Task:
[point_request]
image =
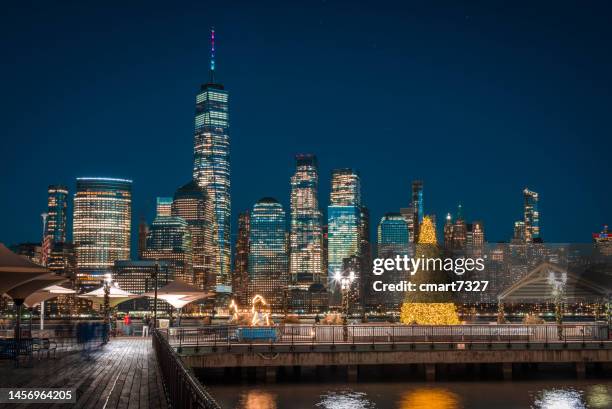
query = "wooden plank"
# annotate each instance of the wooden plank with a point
(125, 372)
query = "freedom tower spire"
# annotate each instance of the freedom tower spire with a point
(211, 168)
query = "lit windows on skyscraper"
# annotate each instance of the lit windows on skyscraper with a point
(344, 223)
(169, 240)
(305, 234)
(531, 216)
(163, 206)
(211, 167)
(56, 213)
(393, 236)
(193, 204)
(268, 261)
(101, 225)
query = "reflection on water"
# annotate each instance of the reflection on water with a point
(559, 399)
(599, 396)
(407, 395)
(429, 398)
(345, 399)
(257, 399)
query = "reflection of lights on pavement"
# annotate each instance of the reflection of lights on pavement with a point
(599, 396)
(429, 398)
(559, 399)
(259, 400)
(346, 399)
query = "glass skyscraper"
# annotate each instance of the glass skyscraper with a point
(194, 205)
(268, 261)
(531, 216)
(393, 236)
(344, 222)
(163, 206)
(57, 204)
(211, 167)
(417, 209)
(305, 265)
(102, 224)
(169, 240)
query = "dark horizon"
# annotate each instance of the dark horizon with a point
(479, 101)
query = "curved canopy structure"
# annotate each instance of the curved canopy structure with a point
(46, 294)
(115, 297)
(547, 280)
(178, 293)
(16, 270)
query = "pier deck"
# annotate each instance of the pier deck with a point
(122, 374)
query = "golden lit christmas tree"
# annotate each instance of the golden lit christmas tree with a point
(422, 307)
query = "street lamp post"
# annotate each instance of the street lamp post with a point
(155, 281)
(107, 284)
(345, 286)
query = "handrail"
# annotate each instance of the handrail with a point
(293, 334)
(183, 390)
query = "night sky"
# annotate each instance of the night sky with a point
(478, 100)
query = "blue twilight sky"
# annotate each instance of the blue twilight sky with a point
(478, 100)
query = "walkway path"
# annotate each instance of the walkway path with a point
(122, 374)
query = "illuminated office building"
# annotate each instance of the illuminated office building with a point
(417, 208)
(531, 216)
(448, 232)
(268, 261)
(163, 206)
(101, 225)
(393, 240)
(344, 224)
(211, 168)
(459, 241)
(194, 205)
(305, 264)
(143, 231)
(240, 272)
(392, 236)
(57, 204)
(137, 277)
(169, 240)
(519, 232)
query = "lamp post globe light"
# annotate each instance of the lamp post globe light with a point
(345, 282)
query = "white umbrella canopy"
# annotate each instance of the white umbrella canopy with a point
(178, 293)
(46, 294)
(16, 270)
(115, 297)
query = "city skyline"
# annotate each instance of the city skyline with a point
(497, 204)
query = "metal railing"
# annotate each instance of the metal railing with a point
(182, 388)
(294, 334)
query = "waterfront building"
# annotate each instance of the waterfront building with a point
(417, 208)
(163, 206)
(137, 277)
(211, 167)
(143, 231)
(344, 224)
(169, 240)
(268, 261)
(305, 263)
(193, 204)
(519, 232)
(408, 214)
(448, 232)
(102, 222)
(240, 271)
(393, 240)
(57, 206)
(531, 215)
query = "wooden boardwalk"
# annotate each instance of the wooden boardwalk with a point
(122, 374)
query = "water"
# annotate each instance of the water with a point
(556, 394)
